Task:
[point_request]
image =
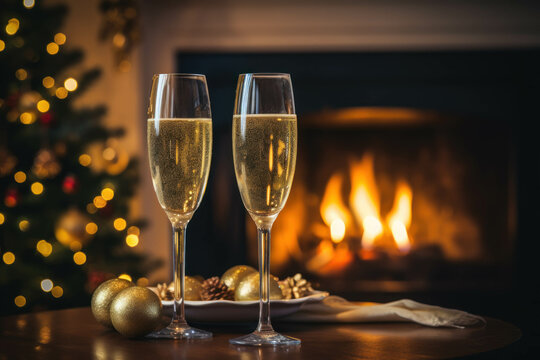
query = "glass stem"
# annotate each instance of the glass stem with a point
(264, 280)
(179, 246)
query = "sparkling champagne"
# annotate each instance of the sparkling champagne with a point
(180, 152)
(264, 148)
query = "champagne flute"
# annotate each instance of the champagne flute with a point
(179, 134)
(264, 149)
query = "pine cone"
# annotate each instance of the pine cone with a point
(164, 292)
(295, 287)
(214, 289)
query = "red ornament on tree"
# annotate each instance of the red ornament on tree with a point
(12, 197)
(46, 118)
(70, 184)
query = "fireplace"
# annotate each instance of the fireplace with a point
(406, 175)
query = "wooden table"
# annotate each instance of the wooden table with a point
(74, 334)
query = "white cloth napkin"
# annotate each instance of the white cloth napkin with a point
(337, 309)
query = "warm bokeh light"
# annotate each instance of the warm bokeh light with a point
(2, 45)
(24, 225)
(109, 154)
(44, 247)
(91, 228)
(91, 208)
(47, 285)
(70, 84)
(134, 230)
(29, 3)
(60, 38)
(48, 82)
(107, 194)
(132, 240)
(125, 277)
(100, 202)
(43, 106)
(85, 160)
(119, 40)
(20, 177)
(20, 301)
(79, 258)
(8, 257)
(52, 48)
(61, 92)
(21, 74)
(337, 230)
(27, 118)
(120, 224)
(36, 188)
(2, 218)
(12, 26)
(142, 281)
(57, 291)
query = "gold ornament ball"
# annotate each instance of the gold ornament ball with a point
(248, 288)
(192, 288)
(136, 311)
(103, 297)
(72, 227)
(234, 275)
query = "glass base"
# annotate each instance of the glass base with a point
(265, 338)
(174, 331)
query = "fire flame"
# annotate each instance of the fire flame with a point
(399, 218)
(333, 210)
(364, 200)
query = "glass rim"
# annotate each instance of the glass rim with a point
(267, 74)
(180, 75)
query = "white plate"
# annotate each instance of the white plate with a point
(240, 311)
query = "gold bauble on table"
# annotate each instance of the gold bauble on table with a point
(248, 288)
(192, 288)
(103, 297)
(234, 275)
(136, 311)
(71, 227)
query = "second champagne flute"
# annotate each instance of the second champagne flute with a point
(264, 150)
(179, 137)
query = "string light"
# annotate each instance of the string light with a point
(107, 194)
(132, 240)
(85, 160)
(91, 228)
(12, 27)
(21, 74)
(70, 84)
(46, 285)
(48, 82)
(8, 257)
(2, 45)
(27, 118)
(60, 39)
(79, 258)
(20, 177)
(3, 218)
(125, 277)
(37, 188)
(29, 3)
(99, 202)
(57, 291)
(43, 106)
(119, 224)
(52, 48)
(20, 301)
(61, 92)
(24, 225)
(44, 248)
(134, 230)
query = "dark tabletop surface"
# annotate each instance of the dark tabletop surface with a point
(74, 334)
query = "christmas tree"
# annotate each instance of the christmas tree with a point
(65, 182)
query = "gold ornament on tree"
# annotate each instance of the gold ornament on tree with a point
(248, 288)
(136, 311)
(295, 287)
(214, 289)
(45, 164)
(70, 229)
(103, 297)
(234, 275)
